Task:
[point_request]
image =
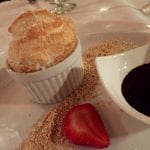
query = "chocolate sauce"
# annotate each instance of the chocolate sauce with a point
(136, 88)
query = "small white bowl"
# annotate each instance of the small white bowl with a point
(53, 84)
(112, 70)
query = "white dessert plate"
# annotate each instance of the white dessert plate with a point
(18, 113)
(112, 70)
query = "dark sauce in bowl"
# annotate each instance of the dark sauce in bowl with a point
(136, 88)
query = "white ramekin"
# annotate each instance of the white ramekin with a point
(53, 84)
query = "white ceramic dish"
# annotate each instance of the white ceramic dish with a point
(18, 113)
(112, 70)
(53, 84)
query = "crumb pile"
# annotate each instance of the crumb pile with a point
(47, 134)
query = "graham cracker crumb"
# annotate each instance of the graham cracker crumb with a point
(48, 133)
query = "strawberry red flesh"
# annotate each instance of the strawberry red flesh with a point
(84, 126)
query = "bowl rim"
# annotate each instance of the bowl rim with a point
(59, 66)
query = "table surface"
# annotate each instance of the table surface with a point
(17, 112)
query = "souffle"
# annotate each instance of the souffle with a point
(40, 40)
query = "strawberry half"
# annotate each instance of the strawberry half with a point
(83, 126)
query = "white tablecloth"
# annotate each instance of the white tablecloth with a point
(17, 113)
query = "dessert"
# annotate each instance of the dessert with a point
(40, 40)
(47, 134)
(45, 56)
